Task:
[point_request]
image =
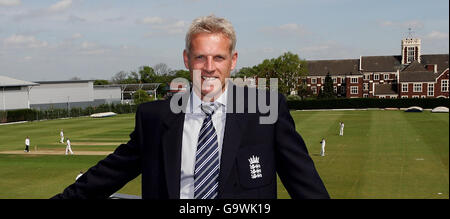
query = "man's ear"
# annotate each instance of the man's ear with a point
(186, 59)
(234, 58)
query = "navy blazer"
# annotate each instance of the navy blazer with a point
(154, 150)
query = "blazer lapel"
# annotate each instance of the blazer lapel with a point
(234, 128)
(171, 144)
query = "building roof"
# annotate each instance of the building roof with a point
(417, 72)
(381, 63)
(415, 66)
(11, 82)
(334, 67)
(64, 82)
(385, 89)
(441, 60)
(418, 76)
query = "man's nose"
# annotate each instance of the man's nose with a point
(209, 66)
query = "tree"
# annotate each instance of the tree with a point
(288, 68)
(141, 96)
(147, 74)
(327, 92)
(246, 72)
(161, 69)
(133, 78)
(119, 77)
(303, 91)
(183, 74)
(101, 82)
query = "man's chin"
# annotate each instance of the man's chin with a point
(209, 94)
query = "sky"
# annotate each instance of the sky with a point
(50, 40)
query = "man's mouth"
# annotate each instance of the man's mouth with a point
(206, 78)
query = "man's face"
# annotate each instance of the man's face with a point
(210, 63)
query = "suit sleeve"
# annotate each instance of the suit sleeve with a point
(294, 165)
(111, 173)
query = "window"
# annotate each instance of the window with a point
(444, 85)
(376, 77)
(404, 87)
(354, 90)
(366, 86)
(313, 81)
(411, 51)
(417, 87)
(334, 80)
(314, 90)
(335, 89)
(386, 76)
(382, 97)
(319, 81)
(354, 80)
(430, 89)
(415, 96)
(366, 95)
(404, 97)
(366, 76)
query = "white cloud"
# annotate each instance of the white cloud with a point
(55, 9)
(90, 48)
(61, 5)
(164, 27)
(287, 29)
(151, 20)
(93, 52)
(9, 2)
(436, 35)
(75, 19)
(87, 45)
(24, 41)
(77, 36)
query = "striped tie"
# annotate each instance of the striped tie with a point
(207, 157)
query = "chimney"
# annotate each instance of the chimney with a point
(431, 67)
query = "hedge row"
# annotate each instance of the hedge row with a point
(356, 103)
(32, 114)
(363, 103)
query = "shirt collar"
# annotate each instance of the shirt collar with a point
(197, 102)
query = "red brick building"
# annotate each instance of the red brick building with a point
(410, 75)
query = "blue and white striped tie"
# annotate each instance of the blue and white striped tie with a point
(207, 157)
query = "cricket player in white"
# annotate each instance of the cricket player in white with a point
(27, 144)
(322, 152)
(341, 129)
(68, 147)
(62, 136)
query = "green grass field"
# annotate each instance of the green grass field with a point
(382, 155)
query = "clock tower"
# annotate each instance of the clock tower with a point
(410, 49)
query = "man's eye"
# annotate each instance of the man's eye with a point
(219, 58)
(199, 57)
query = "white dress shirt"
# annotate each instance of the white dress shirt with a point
(193, 121)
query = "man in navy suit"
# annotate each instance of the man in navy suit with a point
(209, 143)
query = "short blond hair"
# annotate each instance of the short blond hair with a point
(211, 24)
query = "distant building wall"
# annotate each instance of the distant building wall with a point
(13, 98)
(107, 94)
(61, 92)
